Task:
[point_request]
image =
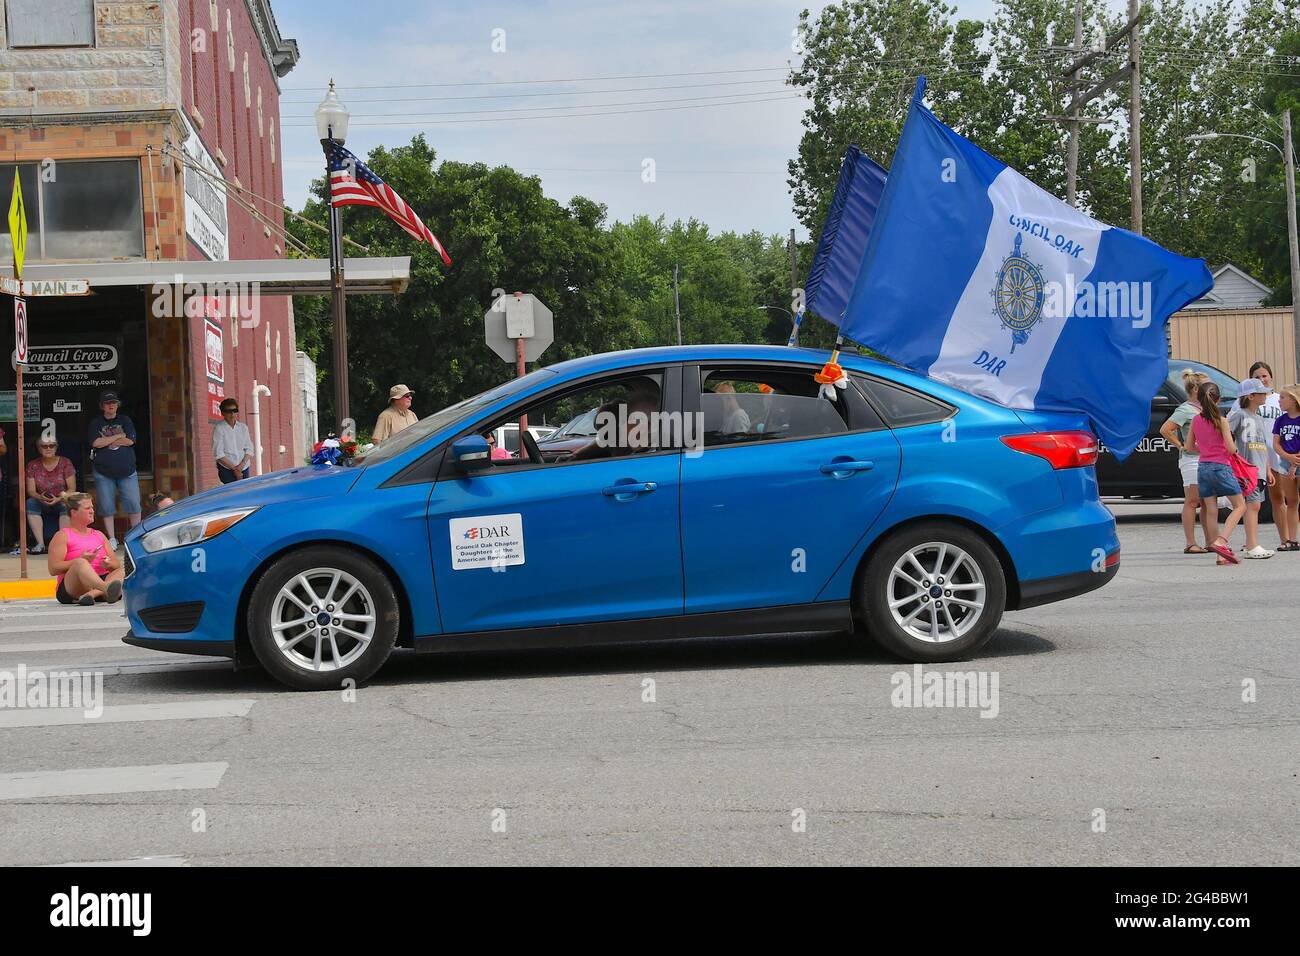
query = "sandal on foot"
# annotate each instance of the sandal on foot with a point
(1195, 549)
(1223, 551)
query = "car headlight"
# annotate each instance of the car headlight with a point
(192, 530)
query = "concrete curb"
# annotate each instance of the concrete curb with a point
(33, 588)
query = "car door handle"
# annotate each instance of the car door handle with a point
(843, 467)
(628, 489)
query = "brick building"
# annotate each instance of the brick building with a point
(145, 134)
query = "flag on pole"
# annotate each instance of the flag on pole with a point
(978, 278)
(844, 237)
(353, 183)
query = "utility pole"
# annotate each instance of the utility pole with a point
(1072, 153)
(1289, 155)
(1135, 115)
(794, 264)
(677, 305)
(1079, 100)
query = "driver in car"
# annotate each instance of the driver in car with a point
(643, 396)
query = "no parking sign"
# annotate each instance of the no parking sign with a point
(20, 331)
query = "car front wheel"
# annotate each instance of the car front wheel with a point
(932, 592)
(322, 615)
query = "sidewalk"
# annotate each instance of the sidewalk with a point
(39, 583)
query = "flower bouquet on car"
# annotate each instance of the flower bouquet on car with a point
(332, 450)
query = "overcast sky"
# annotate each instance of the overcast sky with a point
(722, 164)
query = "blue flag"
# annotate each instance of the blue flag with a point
(844, 236)
(978, 278)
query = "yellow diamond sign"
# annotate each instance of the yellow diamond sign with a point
(18, 227)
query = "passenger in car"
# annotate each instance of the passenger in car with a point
(735, 420)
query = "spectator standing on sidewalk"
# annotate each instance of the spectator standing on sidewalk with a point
(396, 416)
(112, 457)
(1253, 434)
(1176, 430)
(1212, 440)
(1270, 410)
(49, 476)
(1286, 442)
(232, 445)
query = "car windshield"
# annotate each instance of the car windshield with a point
(583, 426)
(1227, 384)
(449, 416)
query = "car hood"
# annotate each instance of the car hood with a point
(309, 481)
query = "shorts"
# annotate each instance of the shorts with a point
(117, 495)
(1187, 468)
(1215, 478)
(1261, 489)
(62, 595)
(37, 507)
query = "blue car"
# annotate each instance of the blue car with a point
(721, 495)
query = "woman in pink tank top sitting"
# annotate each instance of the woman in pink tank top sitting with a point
(79, 555)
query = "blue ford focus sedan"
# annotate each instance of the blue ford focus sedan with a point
(715, 493)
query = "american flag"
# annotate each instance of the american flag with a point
(353, 183)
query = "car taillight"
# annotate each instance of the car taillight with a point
(1061, 449)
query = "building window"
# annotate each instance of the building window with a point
(89, 209)
(34, 23)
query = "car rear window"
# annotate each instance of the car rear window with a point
(903, 406)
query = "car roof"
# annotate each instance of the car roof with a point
(712, 353)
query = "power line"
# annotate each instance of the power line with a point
(538, 109)
(570, 79)
(513, 96)
(512, 119)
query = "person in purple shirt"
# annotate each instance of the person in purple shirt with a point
(1286, 442)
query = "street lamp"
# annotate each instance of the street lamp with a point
(1287, 152)
(332, 126)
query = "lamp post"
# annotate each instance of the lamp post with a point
(1287, 152)
(332, 126)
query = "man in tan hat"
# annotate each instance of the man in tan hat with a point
(396, 416)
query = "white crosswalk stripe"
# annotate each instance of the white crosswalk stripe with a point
(38, 784)
(58, 646)
(124, 713)
(137, 861)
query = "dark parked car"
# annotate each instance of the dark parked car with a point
(1152, 470)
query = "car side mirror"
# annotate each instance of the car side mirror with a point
(471, 453)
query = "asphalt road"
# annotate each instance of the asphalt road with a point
(1127, 700)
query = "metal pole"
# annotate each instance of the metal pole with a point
(1072, 154)
(1289, 152)
(22, 474)
(1135, 118)
(339, 308)
(521, 369)
(677, 306)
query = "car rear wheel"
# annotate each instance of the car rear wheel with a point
(322, 615)
(932, 592)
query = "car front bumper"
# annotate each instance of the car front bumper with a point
(187, 599)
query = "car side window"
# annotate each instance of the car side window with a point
(903, 406)
(740, 405)
(610, 418)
